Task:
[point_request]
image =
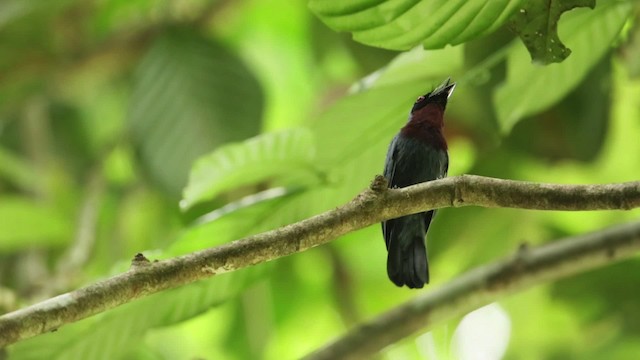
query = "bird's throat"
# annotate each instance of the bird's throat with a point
(430, 135)
(426, 125)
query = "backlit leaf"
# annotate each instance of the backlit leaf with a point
(403, 24)
(251, 161)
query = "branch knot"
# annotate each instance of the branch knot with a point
(379, 184)
(458, 198)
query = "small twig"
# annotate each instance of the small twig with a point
(367, 208)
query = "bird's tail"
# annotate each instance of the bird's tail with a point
(407, 260)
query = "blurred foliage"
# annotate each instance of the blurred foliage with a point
(186, 90)
(261, 116)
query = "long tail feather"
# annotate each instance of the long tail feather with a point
(407, 262)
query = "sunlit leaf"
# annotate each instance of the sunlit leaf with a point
(419, 64)
(15, 9)
(483, 334)
(251, 161)
(403, 24)
(282, 58)
(224, 225)
(530, 88)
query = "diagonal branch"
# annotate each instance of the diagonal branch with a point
(369, 207)
(484, 285)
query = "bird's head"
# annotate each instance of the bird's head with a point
(438, 96)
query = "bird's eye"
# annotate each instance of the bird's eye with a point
(420, 99)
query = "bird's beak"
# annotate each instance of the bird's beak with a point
(446, 88)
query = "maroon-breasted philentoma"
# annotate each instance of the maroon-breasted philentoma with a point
(418, 153)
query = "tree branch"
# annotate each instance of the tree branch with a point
(369, 207)
(484, 285)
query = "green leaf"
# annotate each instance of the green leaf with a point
(420, 64)
(537, 25)
(531, 88)
(25, 223)
(190, 95)
(251, 161)
(403, 24)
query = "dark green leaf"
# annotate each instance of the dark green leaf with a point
(190, 95)
(531, 88)
(536, 22)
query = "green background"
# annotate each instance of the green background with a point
(169, 126)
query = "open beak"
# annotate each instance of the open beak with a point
(446, 87)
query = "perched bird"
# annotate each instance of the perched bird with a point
(418, 153)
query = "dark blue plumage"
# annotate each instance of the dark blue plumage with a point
(418, 153)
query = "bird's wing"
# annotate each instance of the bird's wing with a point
(410, 162)
(445, 165)
(440, 168)
(389, 173)
(391, 161)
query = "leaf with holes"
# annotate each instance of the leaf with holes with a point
(403, 24)
(537, 25)
(531, 88)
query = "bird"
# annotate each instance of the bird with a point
(418, 153)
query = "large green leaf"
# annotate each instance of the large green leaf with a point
(190, 95)
(403, 24)
(537, 25)
(418, 64)
(257, 159)
(531, 88)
